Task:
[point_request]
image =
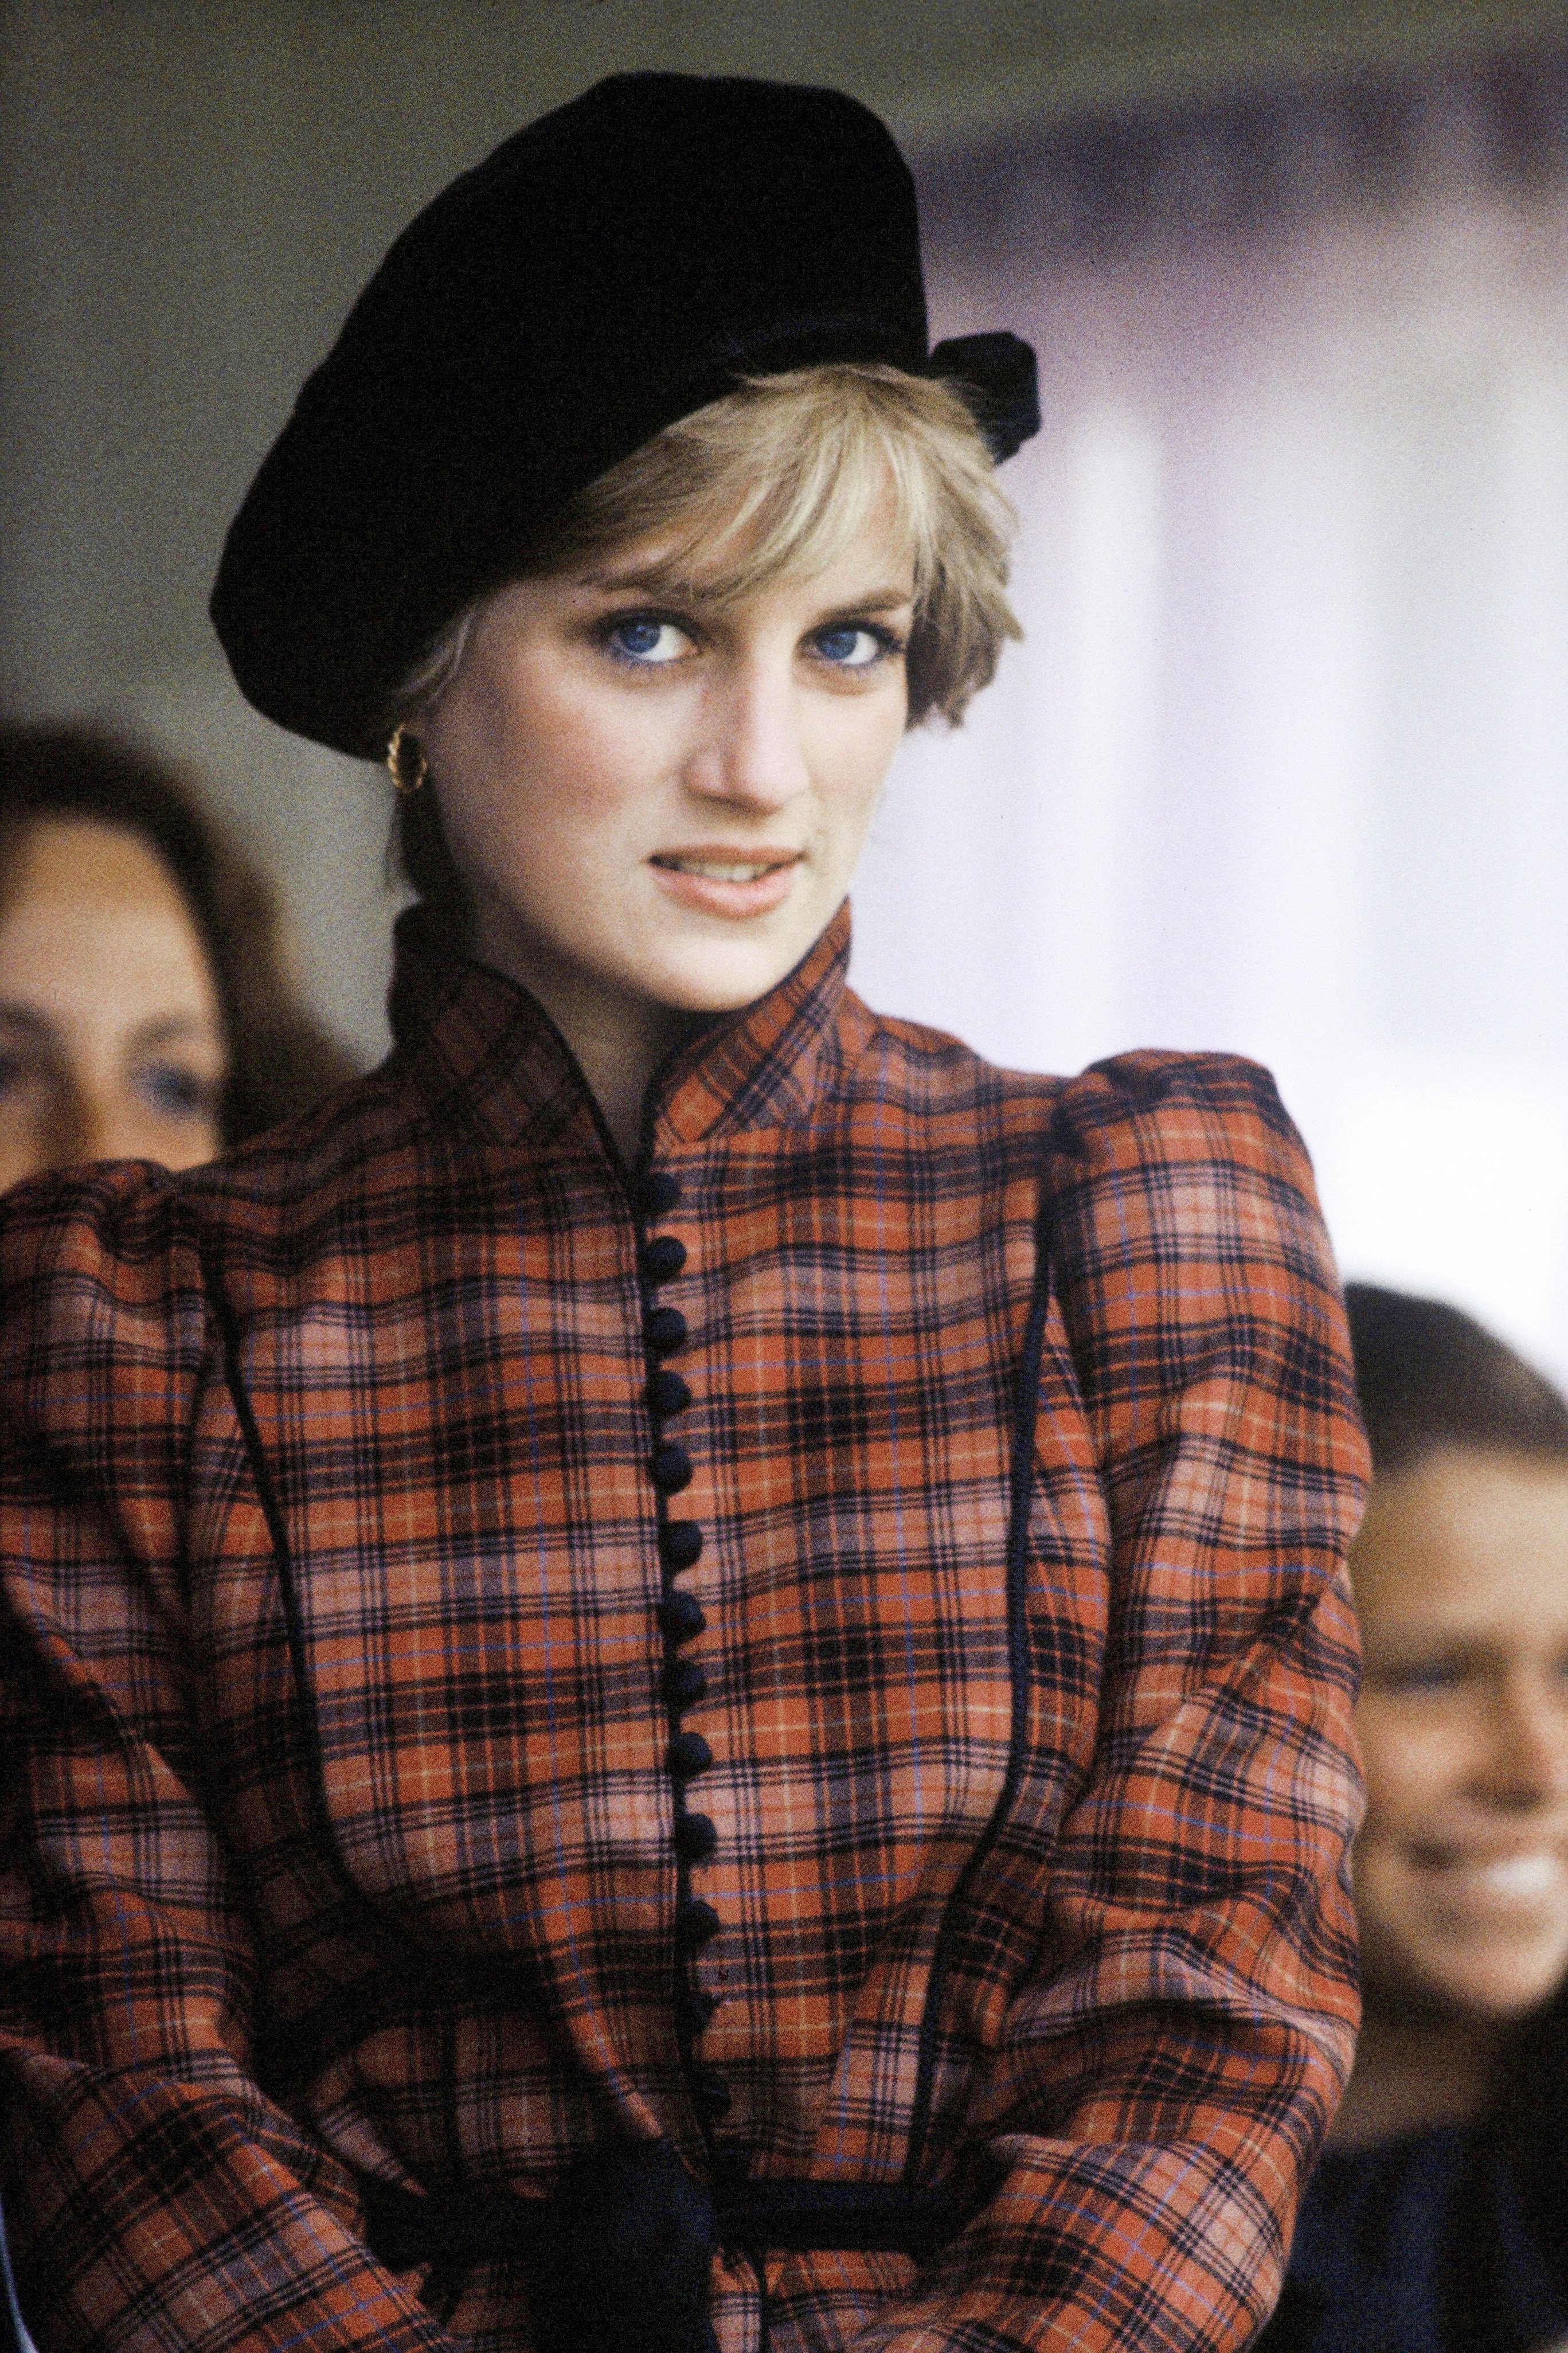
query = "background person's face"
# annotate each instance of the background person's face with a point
(112, 1043)
(660, 803)
(1461, 1869)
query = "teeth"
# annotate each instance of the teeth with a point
(717, 870)
(1524, 1874)
(1529, 1876)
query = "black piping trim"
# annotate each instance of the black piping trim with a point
(472, 1983)
(445, 2280)
(450, 2124)
(222, 1307)
(757, 2258)
(1021, 1483)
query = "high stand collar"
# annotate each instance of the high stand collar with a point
(488, 1055)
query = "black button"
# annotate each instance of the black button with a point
(664, 1331)
(681, 1615)
(658, 1191)
(666, 1394)
(694, 2010)
(696, 1924)
(680, 1542)
(689, 1754)
(684, 1682)
(710, 2094)
(446, 1977)
(695, 1837)
(732, 2160)
(663, 1257)
(671, 1468)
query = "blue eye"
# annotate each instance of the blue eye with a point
(178, 1093)
(851, 645)
(642, 639)
(1426, 1676)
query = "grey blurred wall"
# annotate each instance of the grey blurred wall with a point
(191, 195)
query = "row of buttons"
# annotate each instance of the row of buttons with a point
(683, 1682)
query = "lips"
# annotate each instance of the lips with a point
(1523, 1876)
(719, 880)
(723, 866)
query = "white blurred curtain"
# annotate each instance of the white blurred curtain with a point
(1282, 764)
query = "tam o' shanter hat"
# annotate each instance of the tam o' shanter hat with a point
(609, 268)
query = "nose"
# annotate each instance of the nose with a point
(1528, 1761)
(89, 1122)
(750, 748)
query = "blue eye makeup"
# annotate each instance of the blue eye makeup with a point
(1420, 1677)
(178, 1093)
(652, 641)
(855, 645)
(645, 639)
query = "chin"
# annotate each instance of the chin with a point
(726, 983)
(1507, 1994)
(1493, 1990)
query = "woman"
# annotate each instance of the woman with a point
(1439, 2221)
(144, 1012)
(728, 1709)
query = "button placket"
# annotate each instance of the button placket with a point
(661, 1258)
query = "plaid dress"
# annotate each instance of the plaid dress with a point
(828, 1647)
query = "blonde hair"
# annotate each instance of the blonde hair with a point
(777, 477)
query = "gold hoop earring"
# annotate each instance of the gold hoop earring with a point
(397, 768)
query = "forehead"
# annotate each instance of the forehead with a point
(732, 560)
(1467, 1545)
(94, 920)
(82, 860)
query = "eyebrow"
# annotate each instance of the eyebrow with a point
(881, 600)
(152, 1033)
(1437, 1647)
(177, 1025)
(657, 583)
(22, 1017)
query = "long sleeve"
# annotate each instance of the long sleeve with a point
(1170, 2065)
(160, 2199)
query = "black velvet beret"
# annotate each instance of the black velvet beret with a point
(607, 270)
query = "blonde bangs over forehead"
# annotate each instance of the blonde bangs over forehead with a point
(780, 477)
(783, 474)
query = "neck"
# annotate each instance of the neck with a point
(618, 1059)
(1414, 2071)
(619, 1040)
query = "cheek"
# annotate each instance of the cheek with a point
(523, 779)
(22, 1145)
(852, 757)
(191, 1148)
(1419, 1760)
(1408, 1768)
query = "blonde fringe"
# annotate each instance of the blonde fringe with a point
(780, 476)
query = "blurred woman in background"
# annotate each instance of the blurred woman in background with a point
(1438, 2221)
(145, 1009)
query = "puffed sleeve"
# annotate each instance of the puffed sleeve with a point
(157, 2200)
(1172, 2062)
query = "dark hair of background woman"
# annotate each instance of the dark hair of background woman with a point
(280, 1058)
(1430, 1378)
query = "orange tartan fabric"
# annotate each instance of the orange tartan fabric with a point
(344, 1673)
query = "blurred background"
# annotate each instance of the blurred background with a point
(1281, 764)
